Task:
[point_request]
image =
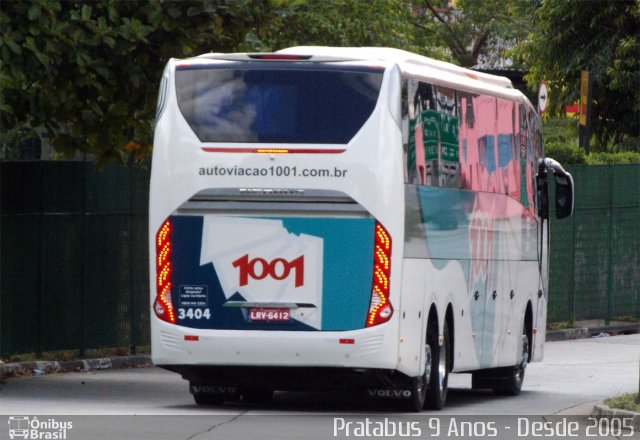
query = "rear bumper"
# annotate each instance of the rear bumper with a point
(371, 348)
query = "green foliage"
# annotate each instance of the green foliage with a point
(86, 73)
(473, 29)
(561, 134)
(603, 38)
(571, 154)
(560, 141)
(565, 153)
(624, 157)
(565, 325)
(560, 129)
(375, 23)
(625, 402)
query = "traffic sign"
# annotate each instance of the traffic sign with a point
(543, 97)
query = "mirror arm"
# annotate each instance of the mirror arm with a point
(548, 163)
(542, 196)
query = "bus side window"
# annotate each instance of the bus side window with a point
(404, 125)
(415, 150)
(432, 146)
(448, 160)
(429, 121)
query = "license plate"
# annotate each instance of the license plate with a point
(269, 315)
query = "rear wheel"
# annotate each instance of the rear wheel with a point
(513, 377)
(257, 395)
(418, 386)
(208, 399)
(440, 364)
(504, 381)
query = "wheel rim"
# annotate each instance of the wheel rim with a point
(442, 366)
(427, 362)
(422, 387)
(519, 370)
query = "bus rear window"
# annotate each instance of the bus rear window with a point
(277, 105)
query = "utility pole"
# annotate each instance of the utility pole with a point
(584, 129)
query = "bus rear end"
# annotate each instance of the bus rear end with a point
(271, 236)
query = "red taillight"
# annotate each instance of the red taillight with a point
(380, 309)
(163, 307)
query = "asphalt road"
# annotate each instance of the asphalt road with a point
(574, 375)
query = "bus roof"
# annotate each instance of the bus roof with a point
(416, 66)
(382, 54)
(397, 56)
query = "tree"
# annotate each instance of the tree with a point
(377, 23)
(601, 37)
(473, 30)
(86, 73)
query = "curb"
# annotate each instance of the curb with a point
(585, 333)
(565, 335)
(84, 365)
(602, 411)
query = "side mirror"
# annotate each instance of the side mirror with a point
(564, 194)
(564, 189)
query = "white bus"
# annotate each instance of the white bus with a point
(360, 219)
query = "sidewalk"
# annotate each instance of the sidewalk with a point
(598, 329)
(594, 328)
(599, 410)
(37, 368)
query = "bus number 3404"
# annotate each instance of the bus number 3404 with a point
(191, 313)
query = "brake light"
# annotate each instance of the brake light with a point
(163, 306)
(273, 150)
(380, 309)
(279, 56)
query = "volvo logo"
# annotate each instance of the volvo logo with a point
(393, 394)
(213, 389)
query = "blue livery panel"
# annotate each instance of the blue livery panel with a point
(271, 273)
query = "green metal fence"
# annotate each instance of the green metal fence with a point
(595, 255)
(73, 257)
(74, 270)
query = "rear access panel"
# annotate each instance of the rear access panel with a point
(297, 261)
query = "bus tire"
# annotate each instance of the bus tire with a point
(513, 377)
(440, 364)
(208, 399)
(257, 395)
(504, 381)
(418, 388)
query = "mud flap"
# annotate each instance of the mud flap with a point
(390, 393)
(224, 392)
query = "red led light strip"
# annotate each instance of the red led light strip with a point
(163, 306)
(380, 309)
